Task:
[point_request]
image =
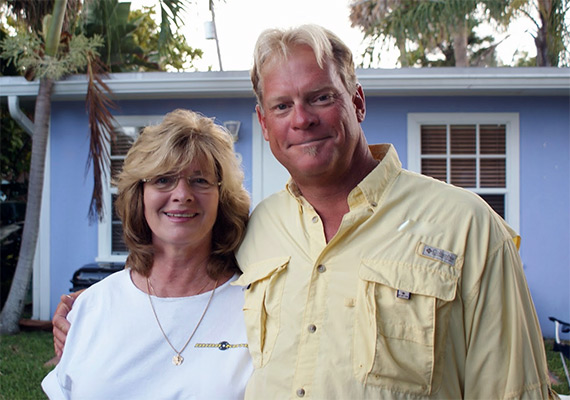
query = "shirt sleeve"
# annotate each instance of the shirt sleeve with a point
(57, 384)
(505, 349)
(52, 388)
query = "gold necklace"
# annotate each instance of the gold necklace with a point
(177, 359)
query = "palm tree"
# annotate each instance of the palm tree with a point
(552, 37)
(15, 302)
(58, 54)
(446, 25)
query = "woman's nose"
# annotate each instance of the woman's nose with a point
(183, 191)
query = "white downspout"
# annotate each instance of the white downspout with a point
(19, 116)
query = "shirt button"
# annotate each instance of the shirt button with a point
(312, 328)
(315, 219)
(321, 268)
(374, 204)
(300, 392)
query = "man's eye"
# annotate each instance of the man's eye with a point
(281, 107)
(324, 98)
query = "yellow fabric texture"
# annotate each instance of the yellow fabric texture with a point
(420, 294)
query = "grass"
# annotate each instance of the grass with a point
(555, 367)
(22, 359)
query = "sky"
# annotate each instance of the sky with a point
(239, 23)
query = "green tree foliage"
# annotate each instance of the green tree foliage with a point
(16, 147)
(133, 40)
(430, 32)
(178, 54)
(552, 35)
(110, 20)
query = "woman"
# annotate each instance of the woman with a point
(170, 325)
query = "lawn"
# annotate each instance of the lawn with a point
(22, 359)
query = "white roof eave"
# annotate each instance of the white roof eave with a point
(377, 82)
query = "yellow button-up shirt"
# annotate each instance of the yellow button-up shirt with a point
(420, 294)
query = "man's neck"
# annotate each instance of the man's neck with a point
(330, 200)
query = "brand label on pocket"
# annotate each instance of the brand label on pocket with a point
(439, 254)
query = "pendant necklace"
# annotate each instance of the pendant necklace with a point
(177, 359)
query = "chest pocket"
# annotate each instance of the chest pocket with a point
(264, 283)
(396, 343)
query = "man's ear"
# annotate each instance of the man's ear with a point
(261, 119)
(359, 103)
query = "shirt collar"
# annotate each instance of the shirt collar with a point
(373, 185)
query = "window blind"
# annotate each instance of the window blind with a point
(123, 140)
(471, 156)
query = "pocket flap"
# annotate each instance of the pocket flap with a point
(427, 278)
(261, 270)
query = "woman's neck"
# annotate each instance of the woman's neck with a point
(177, 275)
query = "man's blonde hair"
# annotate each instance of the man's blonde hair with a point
(277, 43)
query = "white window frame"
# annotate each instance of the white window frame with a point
(510, 120)
(105, 235)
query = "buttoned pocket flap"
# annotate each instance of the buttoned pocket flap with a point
(262, 270)
(261, 307)
(428, 278)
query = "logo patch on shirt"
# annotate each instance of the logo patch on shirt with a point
(444, 256)
(402, 294)
(220, 346)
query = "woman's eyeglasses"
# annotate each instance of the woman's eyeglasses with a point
(167, 183)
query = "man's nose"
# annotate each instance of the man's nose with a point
(304, 117)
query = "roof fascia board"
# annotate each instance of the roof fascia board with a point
(378, 82)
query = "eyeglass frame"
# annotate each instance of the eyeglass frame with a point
(177, 180)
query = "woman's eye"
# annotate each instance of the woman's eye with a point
(163, 180)
(201, 182)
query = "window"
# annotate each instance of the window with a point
(475, 151)
(111, 245)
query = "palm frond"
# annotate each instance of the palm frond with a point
(101, 127)
(170, 13)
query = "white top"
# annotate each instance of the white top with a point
(115, 350)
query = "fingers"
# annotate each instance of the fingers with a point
(60, 328)
(57, 345)
(60, 323)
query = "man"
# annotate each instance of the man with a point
(364, 280)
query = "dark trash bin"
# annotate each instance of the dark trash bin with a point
(93, 273)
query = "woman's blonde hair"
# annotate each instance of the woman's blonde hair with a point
(170, 147)
(275, 44)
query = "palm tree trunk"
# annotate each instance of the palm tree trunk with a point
(541, 40)
(460, 44)
(401, 43)
(10, 316)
